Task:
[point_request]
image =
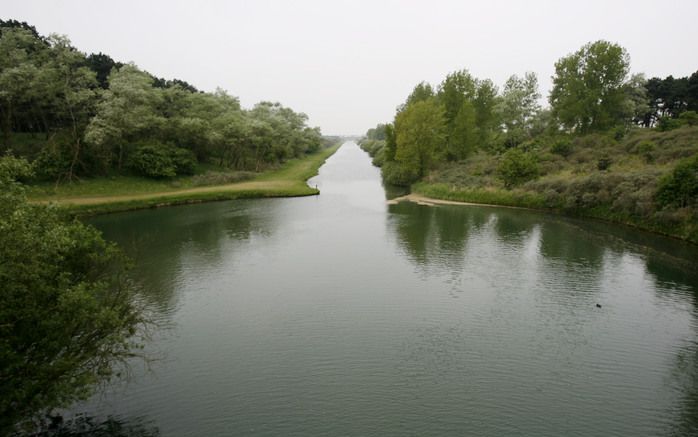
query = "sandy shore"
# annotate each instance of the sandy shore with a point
(428, 201)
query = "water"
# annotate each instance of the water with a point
(342, 315)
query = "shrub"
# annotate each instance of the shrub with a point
(562, 148)
(667, 123)
(680, 187)
(646, 150)
(397, 174)
(153, 161)
(184, 161)
(51, 164)
(619, 132)
(67, 312)
(689, 117)
(162, 161)
(517, 167)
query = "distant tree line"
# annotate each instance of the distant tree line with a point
(73, 114)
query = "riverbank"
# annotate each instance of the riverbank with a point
(440, 194)
(644, 179)
(287, 181)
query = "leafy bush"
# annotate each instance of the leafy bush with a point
(687, 118)
(517, 167)
(67, 313)
(184, 161)
(161, 161)
(680, 187)
(396, 174)
(646, 149)
(562, 148)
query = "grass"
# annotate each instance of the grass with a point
(123, 193)
(487, 196)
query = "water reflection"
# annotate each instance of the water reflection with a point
(686, 378)
(558, 270)
(170, 242)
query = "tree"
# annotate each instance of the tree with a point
(421, 92)
(71, 91)
(376, 133)
(456, 88)
(18, 72)
(669, 97)
(463, 135)
(517, 108)
(67, 314)
(589, 88)
(127, 113)
(456, 94)
(390, 144)
(420, 131)
(485, 103)
(102, 65)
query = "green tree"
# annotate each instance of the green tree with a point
(70, 89)
(517, 108)
(128, 113)
(420, 131)
(456, 88)
(102, 65)
(456, 94)
(463, 133)
(18, 72)
(390, 144)
(67, 315)
(589, 88)
(421, 92)
(485, 107)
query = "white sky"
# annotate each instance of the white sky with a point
(348, 64)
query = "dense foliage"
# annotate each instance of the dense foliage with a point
(611, 145)
(66, 312)
(86, 115)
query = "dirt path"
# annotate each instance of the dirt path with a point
(236, 187)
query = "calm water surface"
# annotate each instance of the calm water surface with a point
(342, 315)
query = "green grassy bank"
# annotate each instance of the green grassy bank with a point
(685, 230)
(622, 180)
(123, 193)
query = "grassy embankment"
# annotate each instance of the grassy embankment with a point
(594, 176)
(123, 193)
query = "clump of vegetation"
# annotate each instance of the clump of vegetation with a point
(562, 147)
(608, 146)
(517, 167)
(161, 161)
(67, 314)
(90, 116)
(680, 187)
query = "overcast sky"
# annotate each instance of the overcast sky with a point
(348, 64)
